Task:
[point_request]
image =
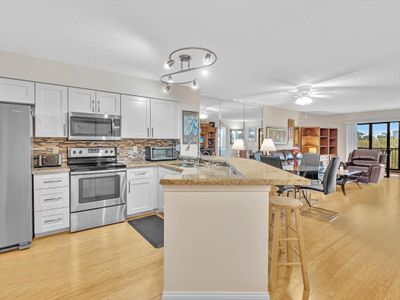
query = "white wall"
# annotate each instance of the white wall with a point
(19, 66)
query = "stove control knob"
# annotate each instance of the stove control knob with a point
(80, 151)
(74, 152)
(106, 151)
(111, 151)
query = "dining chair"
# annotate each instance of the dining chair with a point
(275, 161)
(311, 160)
(328, 186)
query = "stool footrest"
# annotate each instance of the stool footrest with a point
(290, 264)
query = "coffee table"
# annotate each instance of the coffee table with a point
(346, 176)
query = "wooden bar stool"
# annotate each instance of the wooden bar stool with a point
(284, 234)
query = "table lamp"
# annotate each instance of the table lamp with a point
(238, 145)
(267, 146)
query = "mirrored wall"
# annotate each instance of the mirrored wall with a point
(228, 126)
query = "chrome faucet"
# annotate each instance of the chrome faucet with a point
(199, 153)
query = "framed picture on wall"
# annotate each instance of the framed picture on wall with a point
(190, 127)
(251, 134)
(235, 134)
(296, 139)
(291, 129)
(260, 137)
(278, 135)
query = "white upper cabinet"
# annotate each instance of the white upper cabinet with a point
(51, 110)
(164, 119)
(89, 101)
(108, 103)
(17, 91)
(135, 117)
(81, 100)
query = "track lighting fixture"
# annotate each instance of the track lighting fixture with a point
(192, 59)
(167, 88)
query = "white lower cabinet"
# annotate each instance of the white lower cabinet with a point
(51, 203)
(51, 220)
(142, 190)
(161, 173)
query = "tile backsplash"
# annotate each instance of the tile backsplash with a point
(125, 146)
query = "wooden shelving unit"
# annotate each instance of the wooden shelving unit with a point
(310, 140)
(208, 138)
(319, 140)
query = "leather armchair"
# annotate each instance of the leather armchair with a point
(371, 162)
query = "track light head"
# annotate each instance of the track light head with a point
(194, 85)
(207, 58)
(169, 64)
(167, 88)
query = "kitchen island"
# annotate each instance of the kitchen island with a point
(216, 229)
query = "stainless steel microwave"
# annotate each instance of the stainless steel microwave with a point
(93, 127)
(160, 153)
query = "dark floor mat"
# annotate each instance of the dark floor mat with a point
(151, 228)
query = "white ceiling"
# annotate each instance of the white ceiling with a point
(348, 49)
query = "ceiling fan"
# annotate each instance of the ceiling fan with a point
(304, 95)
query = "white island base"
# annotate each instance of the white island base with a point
(216, 242)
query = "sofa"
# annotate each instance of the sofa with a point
(371, 162)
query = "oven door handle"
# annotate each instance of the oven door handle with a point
(98, 172)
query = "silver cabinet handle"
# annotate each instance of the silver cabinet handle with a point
(141, 173)
(52, 220)
(93, 105)
(129, 187)
(52, 199)
(148, 131)
(52, 181)
(152, 131)
(98, 105)
(65, 129)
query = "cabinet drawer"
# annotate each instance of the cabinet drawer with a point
(51, 181)
(140, 173)
(51, 220)
(51, 198)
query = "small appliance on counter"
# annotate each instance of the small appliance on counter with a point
(52, 160)
(160, 153)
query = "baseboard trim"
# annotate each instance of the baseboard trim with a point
(215, 296)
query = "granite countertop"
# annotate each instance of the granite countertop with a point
(50, 170)
(131, 164)
(251, 172)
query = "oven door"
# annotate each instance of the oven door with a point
(93, 127)
(91, 190)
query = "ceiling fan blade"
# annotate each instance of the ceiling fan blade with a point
(266, 93)
(349, 88)
(353, 70)
(320, 96)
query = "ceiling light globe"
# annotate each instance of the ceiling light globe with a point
(303, 100)
(203, 116)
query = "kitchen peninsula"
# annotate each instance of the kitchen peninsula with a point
(216, 230)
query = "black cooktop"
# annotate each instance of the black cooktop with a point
(96, 167)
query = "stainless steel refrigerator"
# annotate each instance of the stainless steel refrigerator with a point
(15, 177)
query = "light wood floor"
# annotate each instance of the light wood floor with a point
(354, 257)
